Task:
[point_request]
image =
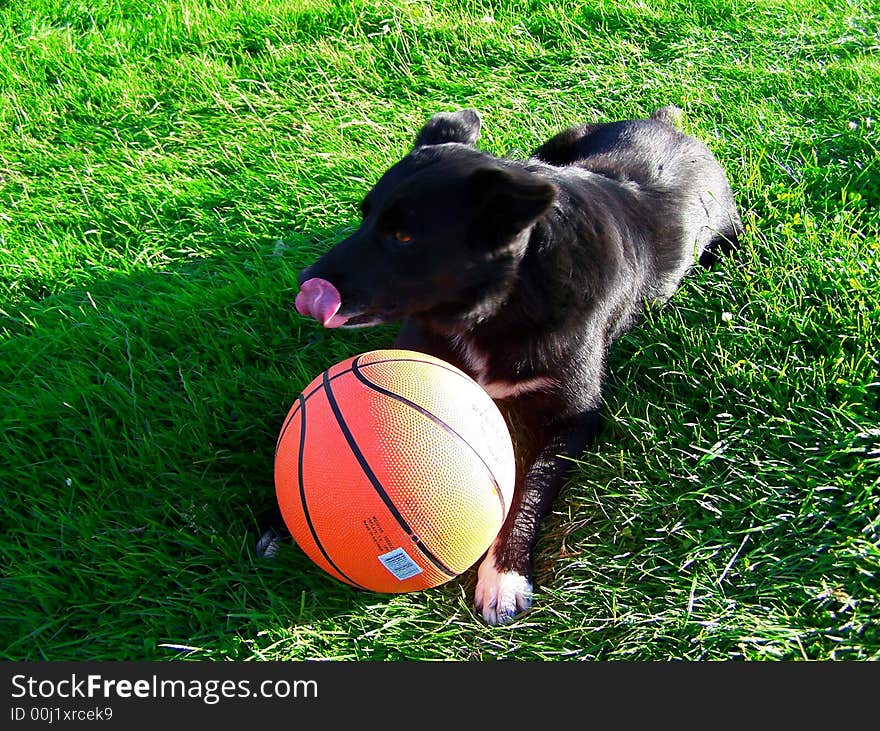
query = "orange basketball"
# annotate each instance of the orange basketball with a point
(394, 471)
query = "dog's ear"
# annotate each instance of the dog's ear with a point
(463, 127)
(507, 200)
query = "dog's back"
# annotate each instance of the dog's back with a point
(674, 174)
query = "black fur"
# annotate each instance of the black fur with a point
(524, 270)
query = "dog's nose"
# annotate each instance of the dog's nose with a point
(303, 276)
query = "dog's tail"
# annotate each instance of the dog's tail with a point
(670, 114)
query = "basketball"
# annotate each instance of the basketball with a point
(394, 471)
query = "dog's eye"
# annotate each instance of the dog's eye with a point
(401, 237)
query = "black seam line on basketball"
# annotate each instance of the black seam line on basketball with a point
(433, 417)
(377, 486)
(302, 496)
(348, 370)
(299, 401)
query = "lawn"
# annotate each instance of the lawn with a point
(166, 168)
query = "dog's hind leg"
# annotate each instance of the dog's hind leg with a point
(670, 114)
(723, 242)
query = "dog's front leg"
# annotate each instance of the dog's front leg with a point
(504, 579)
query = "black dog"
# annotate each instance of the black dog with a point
(522, 273)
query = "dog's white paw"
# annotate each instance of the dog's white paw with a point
(269, 544)
(501, 595)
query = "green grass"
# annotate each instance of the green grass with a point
(167, 167)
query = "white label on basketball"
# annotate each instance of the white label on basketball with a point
(399, 563)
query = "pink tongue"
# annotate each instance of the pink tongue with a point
(319, 299)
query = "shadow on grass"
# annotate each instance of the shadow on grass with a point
(139, 424)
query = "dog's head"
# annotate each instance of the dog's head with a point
(442, 234)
